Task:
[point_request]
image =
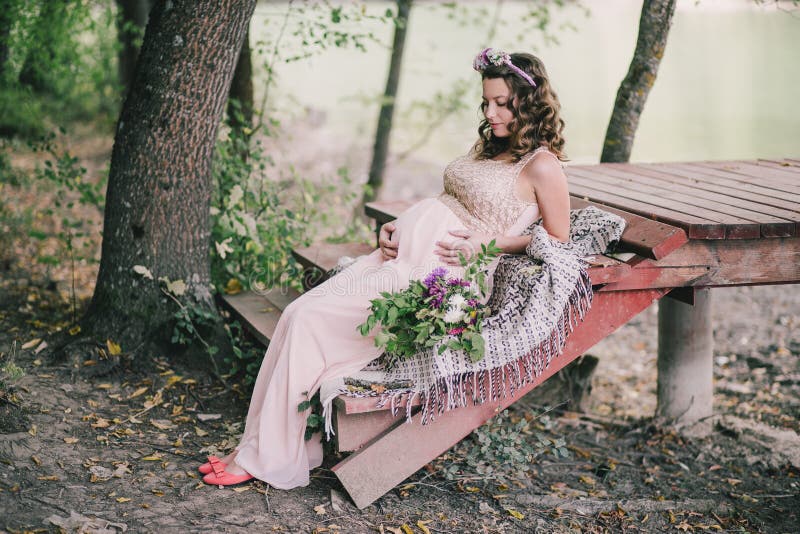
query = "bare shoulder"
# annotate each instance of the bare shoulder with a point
(543, 172)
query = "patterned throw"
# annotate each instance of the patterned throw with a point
(537, 300)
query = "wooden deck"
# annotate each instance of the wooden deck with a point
(709, 200)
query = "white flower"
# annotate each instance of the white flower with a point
(236, 195)
(223, 248)
(453, 315)
(456, 301)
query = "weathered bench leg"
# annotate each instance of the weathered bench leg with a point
(685, 359)
(404, 448)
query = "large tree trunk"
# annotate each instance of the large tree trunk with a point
(654, 25)
(159, 189)
(384, 129)
(242, 89)
(131, 22)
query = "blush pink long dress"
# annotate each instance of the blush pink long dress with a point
(316, 338)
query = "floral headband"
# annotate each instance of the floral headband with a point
(494, 56)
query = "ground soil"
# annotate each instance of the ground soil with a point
(118, 451)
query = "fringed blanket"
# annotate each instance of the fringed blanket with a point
(537, 300)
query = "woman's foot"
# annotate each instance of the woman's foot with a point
(221, 463)
(213, 464)
(230, 476)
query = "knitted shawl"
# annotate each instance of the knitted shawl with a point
(537, 299)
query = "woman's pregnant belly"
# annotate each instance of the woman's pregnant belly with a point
(418, 229)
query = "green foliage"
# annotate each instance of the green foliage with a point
(21, 113)
(190, 321)
(255, 221)
(318, 26)
(259, 214)
(61, 65)
(10, 372)
(244, 361)
(314, 422)
(66, 177)
(424, 314)
(504, 448)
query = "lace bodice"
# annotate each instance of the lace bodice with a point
(481, 193)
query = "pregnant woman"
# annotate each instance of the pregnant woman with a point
(511, 177)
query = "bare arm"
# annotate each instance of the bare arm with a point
(549, 184)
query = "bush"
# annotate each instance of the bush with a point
(21, 114)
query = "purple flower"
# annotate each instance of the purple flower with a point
(434, 276)
(456, 331)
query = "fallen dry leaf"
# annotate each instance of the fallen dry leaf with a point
(140, 391)
(233, 287)
(70, 440)
(513, 513)
(30, 344)
(162, 424)
(101, 423)
(172, 380)
(113, 348)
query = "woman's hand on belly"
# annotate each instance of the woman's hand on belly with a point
(466, 242)
(387, 245)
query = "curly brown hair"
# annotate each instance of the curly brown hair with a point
(536, 113)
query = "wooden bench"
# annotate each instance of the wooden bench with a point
(672, 249)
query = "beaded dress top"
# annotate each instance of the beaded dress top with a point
(481, 193)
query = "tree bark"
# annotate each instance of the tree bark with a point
(381, 149)
(159, 189)
(242, 89)
(654, 25)
(131, 23)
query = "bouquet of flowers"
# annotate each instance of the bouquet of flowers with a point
(434, 309)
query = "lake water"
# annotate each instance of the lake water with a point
(728, 86)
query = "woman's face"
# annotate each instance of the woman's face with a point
(496, 96)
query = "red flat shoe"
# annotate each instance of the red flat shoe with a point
(227, 479)
(208, 467)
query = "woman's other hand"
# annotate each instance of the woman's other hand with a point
(467, 243)
(387, 245)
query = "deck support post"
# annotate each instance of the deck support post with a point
(685, 359)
